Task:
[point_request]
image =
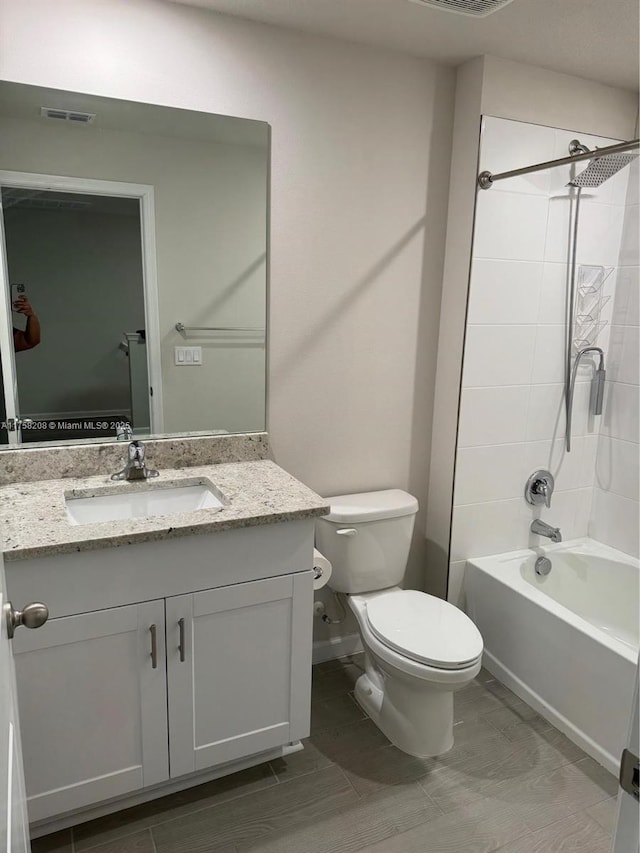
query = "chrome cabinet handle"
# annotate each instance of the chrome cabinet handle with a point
(154, 646)
(181, 640)
(33, 616)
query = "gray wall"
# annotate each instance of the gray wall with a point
(83, 276)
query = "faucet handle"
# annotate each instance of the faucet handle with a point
(136, 468)
(539, 488)
(136, 453)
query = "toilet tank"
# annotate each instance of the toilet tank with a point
(367, 538)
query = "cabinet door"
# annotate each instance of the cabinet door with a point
(13, 803)
(92, 707)
(238, 670)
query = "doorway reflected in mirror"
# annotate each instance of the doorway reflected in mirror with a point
(78, 259)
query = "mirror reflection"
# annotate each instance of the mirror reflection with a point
(78, 322)
(134, 269)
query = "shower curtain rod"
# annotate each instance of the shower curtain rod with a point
(486, 179)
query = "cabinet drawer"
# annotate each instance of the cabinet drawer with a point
(112, 577)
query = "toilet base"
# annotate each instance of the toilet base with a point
(416, 719)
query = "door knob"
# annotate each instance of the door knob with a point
(34, 615)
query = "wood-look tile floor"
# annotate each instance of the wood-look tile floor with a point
(512, 783)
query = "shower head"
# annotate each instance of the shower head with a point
(601, 169)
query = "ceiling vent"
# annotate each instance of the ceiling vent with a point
(472, 8)
(71, 116)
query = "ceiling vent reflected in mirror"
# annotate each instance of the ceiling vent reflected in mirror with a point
(472, 8)
(72, 116)
(38, 200)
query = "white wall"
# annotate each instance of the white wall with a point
(512, 418)
(527, 93)
(361, 142)
(210, 211)
(509, 90)
(85, 295)
(615, 511)
(464, 170)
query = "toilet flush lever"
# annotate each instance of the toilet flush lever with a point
(347, 531)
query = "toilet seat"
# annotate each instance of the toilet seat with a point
(424, 629)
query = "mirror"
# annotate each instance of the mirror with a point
(133, 269)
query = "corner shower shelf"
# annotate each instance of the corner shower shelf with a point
(590, 301)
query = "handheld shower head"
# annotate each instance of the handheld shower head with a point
(599, 379)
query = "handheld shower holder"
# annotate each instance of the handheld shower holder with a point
(597, 393)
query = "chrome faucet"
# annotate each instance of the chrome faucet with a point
(543, 529)
(136, 468)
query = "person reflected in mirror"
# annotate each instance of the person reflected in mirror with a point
(30, 337)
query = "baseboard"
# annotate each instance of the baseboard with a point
(336, 647)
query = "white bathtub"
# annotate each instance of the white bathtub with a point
(566, 643)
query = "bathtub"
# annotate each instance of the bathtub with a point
(566, 643)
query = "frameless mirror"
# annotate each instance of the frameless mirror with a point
(133, 269)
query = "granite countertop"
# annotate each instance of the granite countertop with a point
(35, 521)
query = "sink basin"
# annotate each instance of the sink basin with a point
(145, 503)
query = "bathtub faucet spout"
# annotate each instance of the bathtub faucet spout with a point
(543, 529)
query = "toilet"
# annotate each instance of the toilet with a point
(418, 648)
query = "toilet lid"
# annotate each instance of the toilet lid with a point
(424, 628)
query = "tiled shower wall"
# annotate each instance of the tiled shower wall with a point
(615, 509)
(512, 410)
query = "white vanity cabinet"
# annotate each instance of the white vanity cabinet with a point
(93, 709)
(153, 686)
(231, 658)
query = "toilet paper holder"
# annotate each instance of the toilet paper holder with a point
(321, 569)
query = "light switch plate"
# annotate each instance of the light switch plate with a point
(188, 356)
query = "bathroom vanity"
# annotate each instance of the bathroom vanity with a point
(178, 643)
(178, 648)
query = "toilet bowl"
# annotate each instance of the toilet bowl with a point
(409, 699)
(418, 648)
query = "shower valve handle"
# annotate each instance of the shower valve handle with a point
(539, 488)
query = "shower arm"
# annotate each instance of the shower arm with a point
(572, 384)
(487, 179)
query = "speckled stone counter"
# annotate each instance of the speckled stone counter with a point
(28, 463)
(36, 524)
